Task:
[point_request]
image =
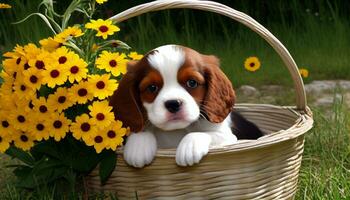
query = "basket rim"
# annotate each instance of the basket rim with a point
(303, 123)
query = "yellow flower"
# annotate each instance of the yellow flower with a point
(23, 140)
(41, 106)
(80, 93)
(20, 119)
(101, 112)
(24, 104)
(14, 64)
(60, 100)
(102, 86)
(112, 62)
(6, 126)
(101, 1)
(304, 72)
(63, 57)
(77, 70)
(50, 44)
(38, 128)
(135, 56)
(31, 52)
(5, 141)
(252, 64)
(114, 135)
(32, 78)
(58, 125)
(54, 75)
(83, 127)
(69, 32)
(98, 140)
(41, 61)
(6, 86)
(7, 102)
(103, 27)
(22, 91)
(4, 5)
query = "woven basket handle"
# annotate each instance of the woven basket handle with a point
(233, 14)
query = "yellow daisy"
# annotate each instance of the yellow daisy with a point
(102, 86)
(41, 106)
(31, 52)
(6, 127)
(77, 70)
(50, 44)
(7, 102)
(54, 75)
(5, 141)
(32, 78)
(63, 56)
(101, 112)
(252, 64)
(101, 1)
(83, 127)
(112, 62)
(98, 140)
(23, 140)
(41, 61)
(24, 104)
(58, 125)
(39, 128)
(135, 56)
(60, 100)
(304, 72)
(6, 6)
(22, 91)
(20, 119)
(114, 135)
(15, 64)
(69, 32)
(103, 27)
(80, 93)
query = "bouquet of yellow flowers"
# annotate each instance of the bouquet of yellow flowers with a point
(54, 97)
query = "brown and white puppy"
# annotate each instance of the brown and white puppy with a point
(174, 97)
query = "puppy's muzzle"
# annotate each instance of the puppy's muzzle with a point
(173, 106)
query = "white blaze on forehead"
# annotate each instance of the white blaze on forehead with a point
(167, 60)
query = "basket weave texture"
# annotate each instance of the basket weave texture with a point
(266, 168)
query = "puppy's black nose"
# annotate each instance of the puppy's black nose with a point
(173, 106)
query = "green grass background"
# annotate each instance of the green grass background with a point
(316, 32)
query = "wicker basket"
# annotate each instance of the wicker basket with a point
(266, 168)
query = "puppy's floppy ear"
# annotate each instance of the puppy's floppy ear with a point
(126, 101)
(220, 97)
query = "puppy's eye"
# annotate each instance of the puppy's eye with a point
(191, 83)
(152, 88)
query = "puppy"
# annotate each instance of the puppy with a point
(175, 97)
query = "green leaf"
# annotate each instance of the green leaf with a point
(21, 155)
(43, 17)
(107, 165)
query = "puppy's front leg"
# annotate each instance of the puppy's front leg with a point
(140, 149)
(192, 148)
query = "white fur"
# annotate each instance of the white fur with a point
(192, 136)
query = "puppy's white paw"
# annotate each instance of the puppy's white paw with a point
(192, 148)
(140, 149)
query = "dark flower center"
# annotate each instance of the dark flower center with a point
(57, 124)
(100, 116)
(23, 87)
(62, 59)
(21, 118)
(39, 64)
(5, 124)
(14, 75)
(61, 99)
(82, 92)
(85, 127)
(111, 134)
(18, 61)
(0, 139)
(30, 105)
(74, 69)
(43, 109)
(26, 66)
(113, 63)
(252, 64)
(103, 28)
(33, 79)
(24, 138)
(114, 44)
(100, 85)
(54, 73)
(98, 139)
(40, 127)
